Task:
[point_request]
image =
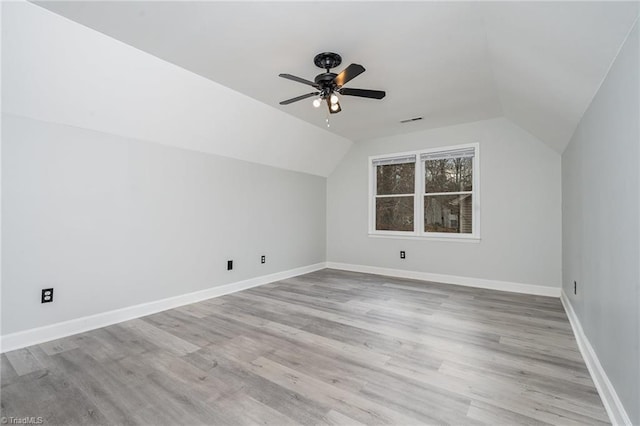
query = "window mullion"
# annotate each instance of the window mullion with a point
(419, 212)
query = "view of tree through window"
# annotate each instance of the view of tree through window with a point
(444, 211)
(395, 191)
(449, 175)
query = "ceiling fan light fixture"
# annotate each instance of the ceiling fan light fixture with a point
(317, 102)
(335, 106)
(334, 99)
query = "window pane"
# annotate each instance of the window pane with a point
(449, 175)
(448, 213)
(394, 214)
(395, 179)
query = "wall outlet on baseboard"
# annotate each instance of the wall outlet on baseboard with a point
(263, 259)
(402, 254)
(229, 265)
(47, 295)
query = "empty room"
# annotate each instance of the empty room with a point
(320, 213)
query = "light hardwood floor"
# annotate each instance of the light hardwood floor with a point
(329, 347)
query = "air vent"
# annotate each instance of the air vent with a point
(411, 119)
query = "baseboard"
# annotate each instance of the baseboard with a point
(613, 405)
(537, 290)
(38, 335)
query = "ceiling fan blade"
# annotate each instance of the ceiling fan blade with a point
(363, 93)
(299, 98)
(350, 72)
(299, 80)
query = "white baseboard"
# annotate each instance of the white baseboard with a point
(613, 405)
(38, 335)
(537, 290)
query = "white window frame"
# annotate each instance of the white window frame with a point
(419, 194)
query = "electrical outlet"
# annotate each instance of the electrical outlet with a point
(229, 265)
(575, 287)
(402, 254)
(263, 259)
(47, 295)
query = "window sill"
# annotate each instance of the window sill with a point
(452, 239)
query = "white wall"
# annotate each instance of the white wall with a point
(601, 214)
(520, 209)
(111, 222)
(59, 71)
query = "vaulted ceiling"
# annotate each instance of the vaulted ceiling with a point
(536, 63)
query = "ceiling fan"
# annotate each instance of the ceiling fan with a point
(328, 85)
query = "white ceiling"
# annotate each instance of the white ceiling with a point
(537, 63)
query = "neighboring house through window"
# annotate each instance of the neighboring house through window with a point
(427, 193)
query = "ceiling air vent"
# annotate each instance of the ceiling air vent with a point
(409, 120)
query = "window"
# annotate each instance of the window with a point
(395, 193)
(429, 193)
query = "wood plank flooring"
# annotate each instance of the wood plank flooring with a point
(330, 347)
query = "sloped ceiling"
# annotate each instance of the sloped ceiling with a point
(55, 70)
(536, 63)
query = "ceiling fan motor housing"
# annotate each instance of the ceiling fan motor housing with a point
(326, 81)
